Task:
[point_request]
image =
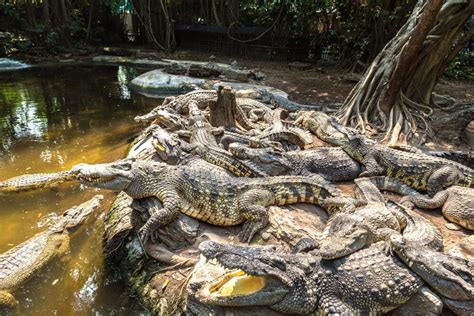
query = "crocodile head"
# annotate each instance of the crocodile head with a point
(77, 215)
(349, 139)
(133, 177)
(259, 275)
(344, 234)
(166, 145)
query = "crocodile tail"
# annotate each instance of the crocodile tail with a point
(299, 189)
(34, 181)
(390, 184)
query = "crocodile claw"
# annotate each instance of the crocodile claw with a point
(144, 234)
(249, 229)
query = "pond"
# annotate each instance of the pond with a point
(52, 118)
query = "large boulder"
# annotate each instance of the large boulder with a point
(158, 84)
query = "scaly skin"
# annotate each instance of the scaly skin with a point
(457, 204)
(34, 181)
(450, 276)
(22, 262)
(282, 102)
(172, 149)
(369, 282)
(265, 139)
(203, 194)
(356, 227)
(419, 171)
(179, 103)
(332, 163)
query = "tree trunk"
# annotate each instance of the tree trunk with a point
(46, 15)
(222, 113)
(394, 96)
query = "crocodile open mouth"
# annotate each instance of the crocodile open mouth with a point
(235, 283)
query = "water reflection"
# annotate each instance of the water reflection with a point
(50, 119)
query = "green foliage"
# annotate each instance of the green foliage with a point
(462, 66)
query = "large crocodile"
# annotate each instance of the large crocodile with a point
(22, 262)
(420, 171)
(369, 282)
(210, 196)
(450, 276)
(457, 204)
(355, 227)
(332, 163)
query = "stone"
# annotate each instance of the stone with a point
(300, 66)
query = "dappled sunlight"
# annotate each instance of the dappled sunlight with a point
(50, 120)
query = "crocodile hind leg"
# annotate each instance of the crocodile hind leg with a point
(7, 300)
(425, 202)
(442, 178)
(252, 207)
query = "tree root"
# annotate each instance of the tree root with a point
(407, 118)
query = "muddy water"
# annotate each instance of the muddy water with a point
(50, 119)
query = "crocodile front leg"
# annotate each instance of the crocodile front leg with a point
(7, 300)
(252, 207)
(161, 217)
(442, 178)
(332, 305)
(372, 167)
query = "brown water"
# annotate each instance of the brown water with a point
(50, 119)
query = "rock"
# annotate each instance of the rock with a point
(259, 75)
(452, 226)
(157, 83)
(300, 66)
(10, 64)
(67, 55)
(463, 249)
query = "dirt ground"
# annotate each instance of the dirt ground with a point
(321, 85)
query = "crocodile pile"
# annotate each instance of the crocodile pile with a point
(207, 163)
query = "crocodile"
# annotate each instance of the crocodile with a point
(202, 142)
(332, 163)
(24, 261)
(420, 171)
(279, 101)
(264, 139)
(369, 282)
(34, 181)
(450, 276)
(457, 204)
(180, 103)
(214, 197)
(355, 227)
